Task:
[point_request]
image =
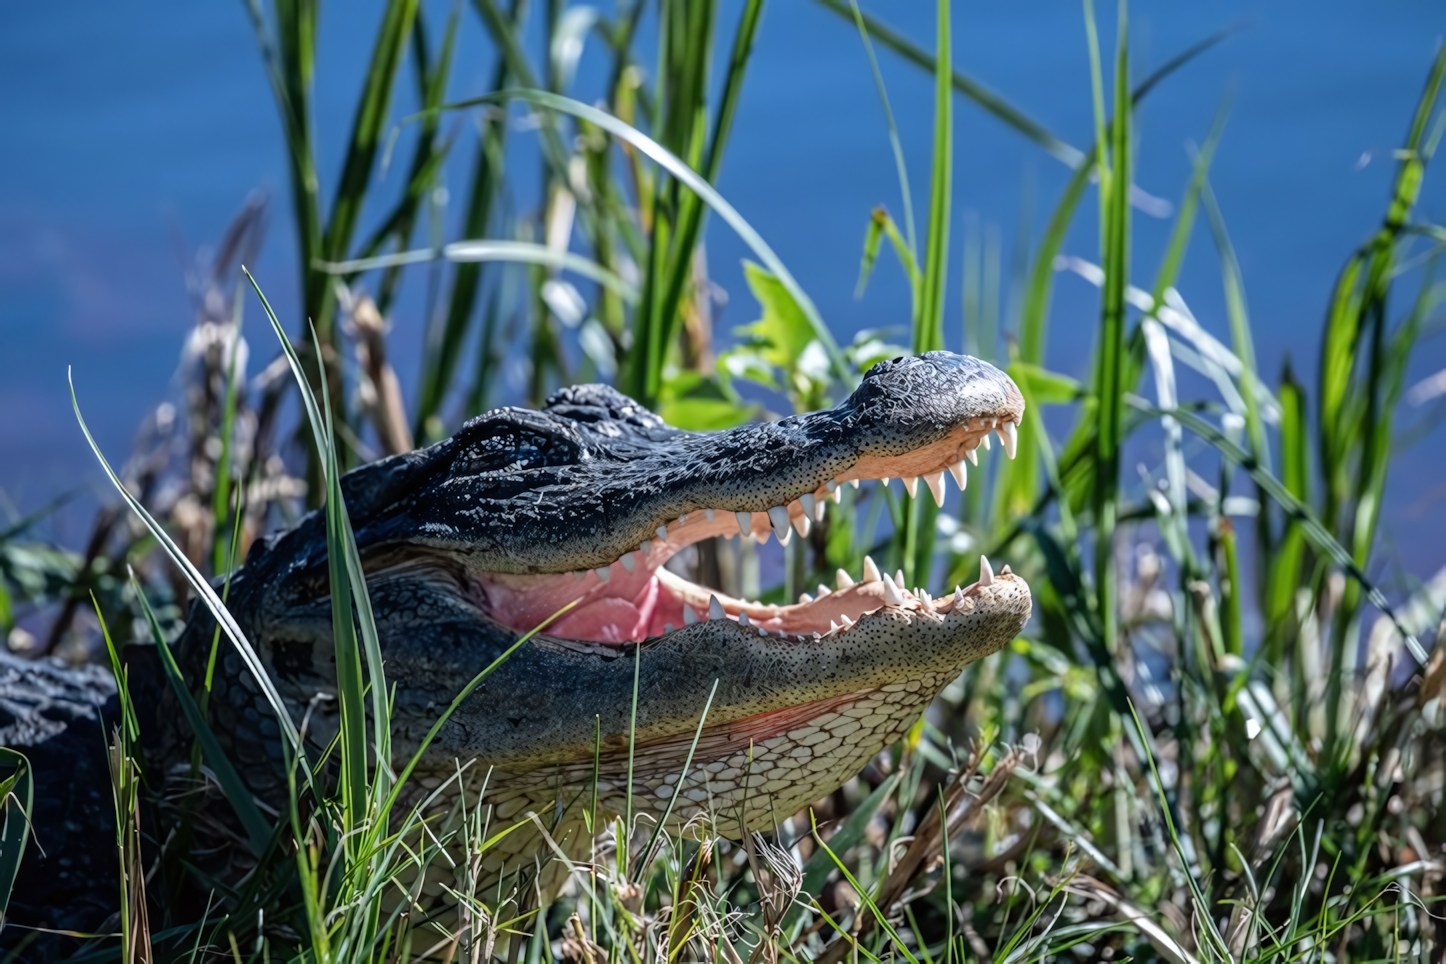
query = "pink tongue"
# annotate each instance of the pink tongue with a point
(618, 612)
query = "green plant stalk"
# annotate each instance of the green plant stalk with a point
(488, 166)
(1340, 355)
(919, 514)
(690, 207)
(1115, 180)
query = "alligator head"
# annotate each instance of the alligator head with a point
(480, 538)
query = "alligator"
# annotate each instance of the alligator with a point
(474, 541)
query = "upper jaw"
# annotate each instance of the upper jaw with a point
(649, 491)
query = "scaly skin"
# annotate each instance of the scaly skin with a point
(470, 542)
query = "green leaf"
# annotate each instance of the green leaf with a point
(17, 799)
(783, 332)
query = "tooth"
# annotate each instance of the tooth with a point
(745, 522)
(690, 615)
(960, 473)
(708, 514)
(924, 595)
(762, 631)
(885, 481)
(1009, 435)
(801, 523)
(832, 627)
(602, 573)
(935, 483)
(662, 533)
(809, 504)
(715, 608)
(973, 454)
(667, 627)
(1004, 570)
(645, 546)
(837, 495)
(823, 590)
(984, 441)
(986, 573)
(847, 622)
(911, 485)
(854, 483)
(842, 579)
(628, 561)
(778, 515)
(743, 619)
(804, 597)
(783, 537)
(899, 578)
(958, 596)
(830, 486)
(892, 596)
(871, 570)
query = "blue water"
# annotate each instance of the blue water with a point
(129, 134)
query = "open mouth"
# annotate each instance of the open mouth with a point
(635, 598)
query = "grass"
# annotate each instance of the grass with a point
(1148, 773)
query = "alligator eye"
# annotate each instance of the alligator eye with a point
(509, 444)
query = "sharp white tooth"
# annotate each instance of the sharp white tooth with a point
(801, 523)
(715, 608)
(743, 619)
(628, 561)
(708, 514)
(667, 627)
(885, 481)
(986, 572)
(924, 595)
(690, 615)
(871, 570)
(837, 495)
(1004, 570)
(961, 474)
(645, 546)
(842, 580)
(762, 631)
(1009, 435)
(911, 485)
(778, 515)
(935, 483)
(831, 486)
(832, 627)
(984, 441)
(804, 597)
(899, 578)
(958, 596)
(745, 522)
(602, 573)
(809, 503)
(847, 622)
(973, 454)
(823, 591)
(854, 483)
(662, 533)
(892, 596)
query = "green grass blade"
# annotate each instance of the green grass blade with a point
(198, 584)
(929, 312)
(258, 831)
(901, 169)
(348, 589)
(17, 798)
(513, 252)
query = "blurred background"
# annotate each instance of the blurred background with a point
(135, 133)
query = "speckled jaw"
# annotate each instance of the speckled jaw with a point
(636, 598)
